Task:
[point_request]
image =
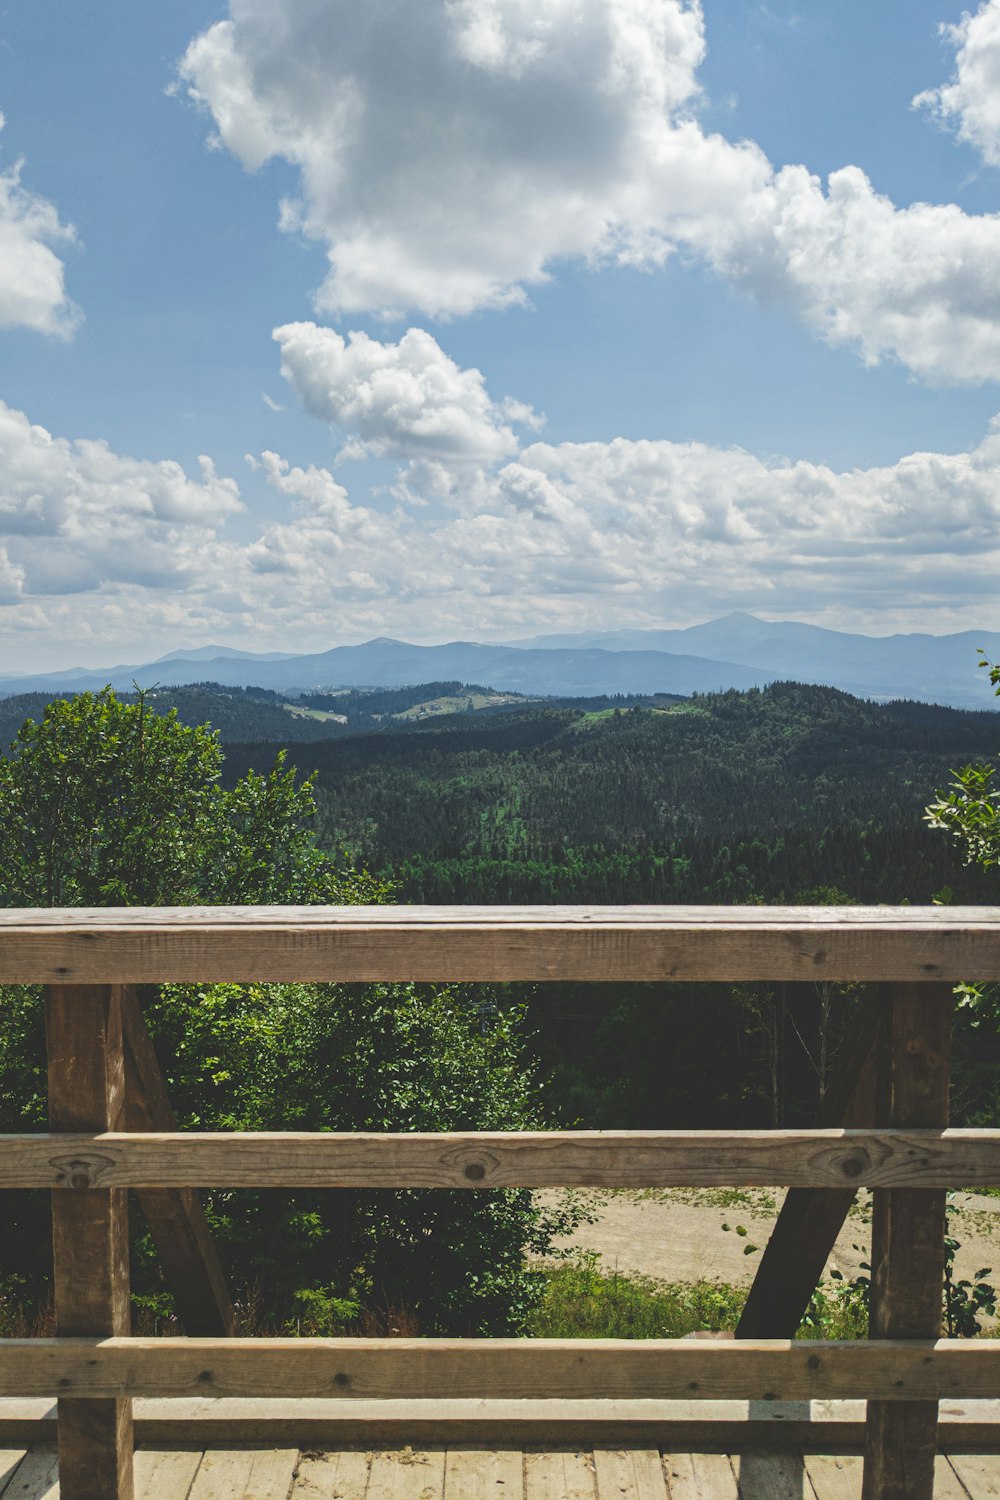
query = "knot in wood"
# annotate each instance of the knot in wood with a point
(462, 1166)
(846, 1162)
(80, 1171)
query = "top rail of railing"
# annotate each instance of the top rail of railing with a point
(137, 945)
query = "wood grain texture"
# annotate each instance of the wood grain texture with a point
(406, 1475)
(485, 1474)
(679, 1158)
(770, 1474)
(572, 1369)
(37, 1478)
(977, 1473)
(175, 1215)
(332, 1476)
(835, 1477)
(629, 1474)
(10, 1458)
(86, 1082)
(148, 945)
(165, 1475)
(244, 1474)
(908, 1225)
(565, 1475)
(700, 1476)
(840, 1478)
(810, 1220)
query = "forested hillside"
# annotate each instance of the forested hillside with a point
(785, 794)
(734, 797)
(263, 716)
(788, 794)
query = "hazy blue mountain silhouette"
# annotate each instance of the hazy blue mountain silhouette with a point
(738, 650)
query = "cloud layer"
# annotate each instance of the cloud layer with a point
(32, 286)
(451, 153)
(971, 101)
(76, 517)
(561, 535)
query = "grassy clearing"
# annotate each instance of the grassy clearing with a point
(582, 1301)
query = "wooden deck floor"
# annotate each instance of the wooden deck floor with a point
(467, 1474)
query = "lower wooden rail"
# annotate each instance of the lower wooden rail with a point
(891, 1370)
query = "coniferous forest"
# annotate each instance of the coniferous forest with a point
(788, 794)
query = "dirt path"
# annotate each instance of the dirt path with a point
(678, 1234)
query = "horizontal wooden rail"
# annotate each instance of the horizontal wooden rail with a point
(667, 1369)
(89, 959)
(679, 1158)
(465, 943)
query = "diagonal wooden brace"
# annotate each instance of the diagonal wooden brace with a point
(175, 1216)
(811, 1218)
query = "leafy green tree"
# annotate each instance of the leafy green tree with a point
(969, 810)
(106, 803)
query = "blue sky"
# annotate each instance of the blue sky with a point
(625, 353)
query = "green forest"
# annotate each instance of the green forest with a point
(737, 797)
(788, 794)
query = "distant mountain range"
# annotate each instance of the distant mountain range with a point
(737, 651)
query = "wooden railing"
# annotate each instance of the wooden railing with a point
(111, 1130)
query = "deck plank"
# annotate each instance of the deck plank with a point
(407, 1475)
(245, 1474)
(222, 1474)
(767, 1474)
(10, 1458)
(835, 1476)
(272, 1471)
(839, 1477)
(333, 1476)
(481, 1473)
(629, 1474)
(559, 1476)
(165, 1474)
(979, 1473)
(700, 1476)
(36, 1478)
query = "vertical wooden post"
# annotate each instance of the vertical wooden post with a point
(908, 1226)
(86, 1070)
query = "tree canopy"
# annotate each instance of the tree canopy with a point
(106, 803)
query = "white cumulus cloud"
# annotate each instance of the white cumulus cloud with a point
(451, 153)
(449, 150)
(971, 100)
(76, 515)
(32, 277)
(405, 400)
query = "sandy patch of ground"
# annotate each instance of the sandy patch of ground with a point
(678, 1234)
